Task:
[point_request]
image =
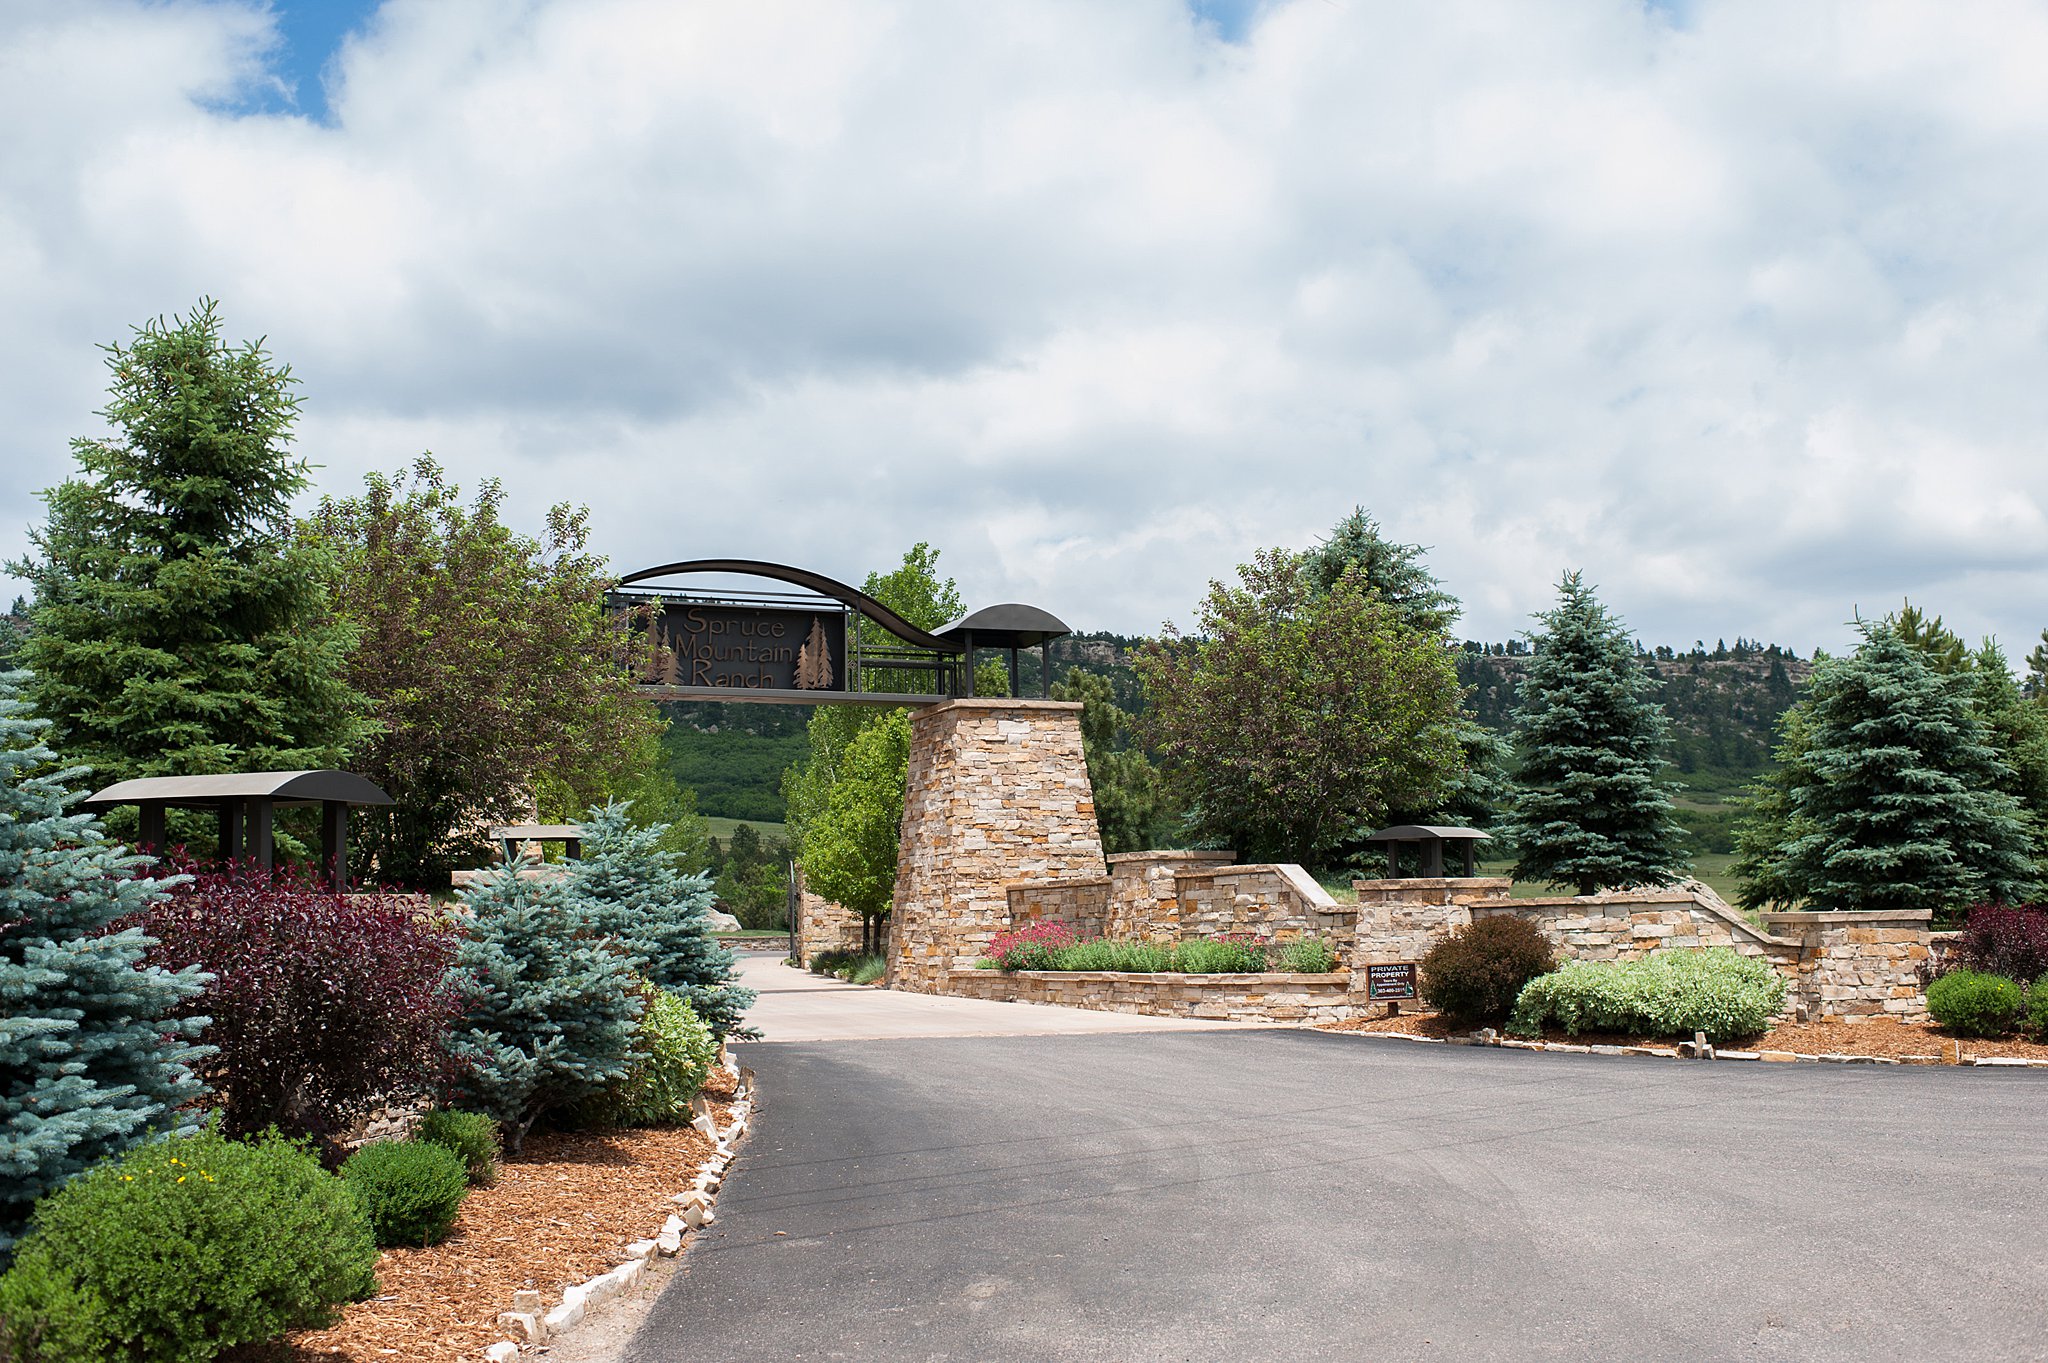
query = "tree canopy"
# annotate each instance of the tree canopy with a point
(1294, 717)
(178, 629)
(490, 663)
(1590, 808)
(1890, 795)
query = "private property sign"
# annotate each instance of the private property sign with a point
(1390, 980)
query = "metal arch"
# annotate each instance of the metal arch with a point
(804, 577)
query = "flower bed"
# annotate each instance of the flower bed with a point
(561, 1211)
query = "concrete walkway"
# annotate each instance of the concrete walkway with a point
(796, 1005)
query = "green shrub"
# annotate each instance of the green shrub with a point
(830, 963)
(410, 1190)
(1668, 993)
(1217, 956)
(673, 1052)
(2037, 1010)
(1308, 956)
(870, 970)
(472, 1136)
(1104, 954)
(1976, 1004)
(181, 1250)
(1475, 973)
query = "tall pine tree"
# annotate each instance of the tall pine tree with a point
(177, 628)
(1892, 794)
(639, 895)
(90, 1058)
(1590, 809)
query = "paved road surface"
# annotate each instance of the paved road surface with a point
(798, 1006)
(1274, 1194)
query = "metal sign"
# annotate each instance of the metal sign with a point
(1390, 980)
(747, 648)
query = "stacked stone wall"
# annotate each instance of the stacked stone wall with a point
(1273, 997)
(1859, 966)
(1081, 902)
(997, 793)
(1144, 894)
(1626, 926)
(822, 925)
(1281, 903)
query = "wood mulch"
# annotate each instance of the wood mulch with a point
(561, 1212)
(1884, 1037)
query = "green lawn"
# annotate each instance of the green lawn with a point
(770, 832)
(1711, 867)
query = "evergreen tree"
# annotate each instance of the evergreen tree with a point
(547, 1002)
(1130, 803)
(177, 627)
(640, 896)
(1393, 572)
(90, 1057)
(2036, 685)
(1589, 808)
(1893, 798)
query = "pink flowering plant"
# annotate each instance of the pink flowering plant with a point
(1033, 948)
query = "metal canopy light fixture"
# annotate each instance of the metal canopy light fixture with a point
(245, 802)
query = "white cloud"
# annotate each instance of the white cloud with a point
(1744, 317)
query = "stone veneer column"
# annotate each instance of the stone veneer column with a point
(997, 792)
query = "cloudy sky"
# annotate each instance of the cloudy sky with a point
(1740, 308)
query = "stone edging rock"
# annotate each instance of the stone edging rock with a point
(528, 1324)
(1699, 1049)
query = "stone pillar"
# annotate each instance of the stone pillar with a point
(997, 792)
(1400, 920)
(1144, 892)
(1856, 966)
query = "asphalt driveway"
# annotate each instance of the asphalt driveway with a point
(1238, 1195)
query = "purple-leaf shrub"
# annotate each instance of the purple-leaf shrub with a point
(322, 1003)
(2008, 940)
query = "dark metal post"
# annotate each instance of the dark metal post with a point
(1044, 669)
(150, 834)
(1013, 670)
(966, 687)
(572, 848)
(1470, 870)
(260, 848)
(230, 831)
(334, 843)
(1433, 859)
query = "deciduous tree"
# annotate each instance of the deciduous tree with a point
(490, 661)
(1294, 718)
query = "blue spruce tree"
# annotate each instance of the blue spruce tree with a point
(1591, 809)
(90, 1060)
(548, 1004)
(638, 895)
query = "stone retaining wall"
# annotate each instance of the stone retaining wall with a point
(822, 925)
(1273, 997)
(1857, 966)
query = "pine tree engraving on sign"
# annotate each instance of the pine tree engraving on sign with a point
(814, 660)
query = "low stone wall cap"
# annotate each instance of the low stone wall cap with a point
(1172, 856)
(1822, 917)
(993, 703)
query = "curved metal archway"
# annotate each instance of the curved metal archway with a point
(804, 577)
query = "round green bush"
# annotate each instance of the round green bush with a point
(1976, 1004)
(1474, 974)
(673, 1052)
(183, 1249)
(1668, 993)
(472, 1136)
(410, 1190)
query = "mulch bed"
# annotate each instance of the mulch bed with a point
(1882, 1037)
(561, 1212)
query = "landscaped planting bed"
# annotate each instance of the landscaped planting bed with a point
(1884, 1038)
(559, 1213)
